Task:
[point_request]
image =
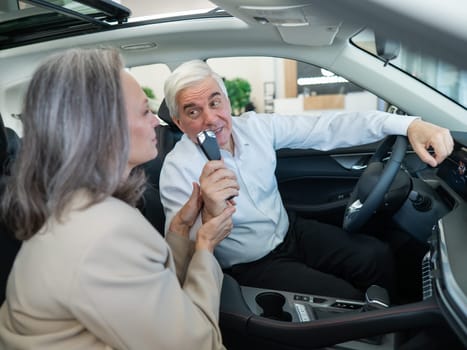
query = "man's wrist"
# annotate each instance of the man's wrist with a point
(206, 215)
(177, 226)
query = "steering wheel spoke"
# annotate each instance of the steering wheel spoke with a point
(374, 183)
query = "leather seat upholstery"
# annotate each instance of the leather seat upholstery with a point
(9, 246)
(167, 136)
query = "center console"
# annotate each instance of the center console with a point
(255, 318)
(293, 307)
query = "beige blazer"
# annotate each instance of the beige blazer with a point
(105, 278)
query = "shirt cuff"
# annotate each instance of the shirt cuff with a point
(397, 125)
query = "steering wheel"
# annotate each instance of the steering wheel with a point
(366, 198)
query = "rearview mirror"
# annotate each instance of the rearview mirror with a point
(387, 49)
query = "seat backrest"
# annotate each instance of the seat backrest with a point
(9, 246)
(167, 136)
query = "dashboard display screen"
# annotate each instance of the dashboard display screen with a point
(454, 172)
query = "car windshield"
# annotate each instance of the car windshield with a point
(440, 75)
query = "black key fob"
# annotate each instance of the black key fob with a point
(208, 143)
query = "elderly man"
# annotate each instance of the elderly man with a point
(267, 247)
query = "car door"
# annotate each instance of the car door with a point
(318, 184)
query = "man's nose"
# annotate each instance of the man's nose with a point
(210, 117)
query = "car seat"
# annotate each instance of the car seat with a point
(168, 135)
(9, 246)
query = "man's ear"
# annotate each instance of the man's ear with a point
(176, 121)
(229, 106)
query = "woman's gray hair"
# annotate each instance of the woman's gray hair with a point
(187, 75)
(75, 136)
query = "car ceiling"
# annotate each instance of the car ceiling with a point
(321, 23)
(437, 28)
(324, 43)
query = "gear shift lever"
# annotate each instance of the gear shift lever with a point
(376, 297)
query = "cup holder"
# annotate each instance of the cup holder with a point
(272, 303)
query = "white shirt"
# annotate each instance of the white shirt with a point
(260, 221)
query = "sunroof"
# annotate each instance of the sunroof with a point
(144, 9)
(86, 10)
(66, 5)
(114, 9)
(29, 21)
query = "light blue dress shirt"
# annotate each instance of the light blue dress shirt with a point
(260, 221)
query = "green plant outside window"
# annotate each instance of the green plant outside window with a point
(239, 91)
(149, 92)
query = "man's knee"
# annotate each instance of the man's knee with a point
(382, 255)
(383, 266)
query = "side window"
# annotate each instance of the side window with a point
(270, 84)
(152, 78)
(257, 75)
(13, 96)
(290, 87)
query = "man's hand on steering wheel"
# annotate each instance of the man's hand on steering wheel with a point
(423, 135)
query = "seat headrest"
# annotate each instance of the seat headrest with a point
(14, 142)
(9, 145)
(3, 144)
(164, 114)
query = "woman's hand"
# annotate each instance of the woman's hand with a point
(215, 230)
(187, 215)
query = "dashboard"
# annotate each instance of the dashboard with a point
(453, 171)
(448, 255)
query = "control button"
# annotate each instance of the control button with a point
(301, 297)
(302, 312)
(344, 305)
(319, 300)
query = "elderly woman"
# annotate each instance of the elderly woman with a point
(92, 273)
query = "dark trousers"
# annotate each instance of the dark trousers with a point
(321, 259)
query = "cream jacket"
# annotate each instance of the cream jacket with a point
(104, 278)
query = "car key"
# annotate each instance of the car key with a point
(208, 142)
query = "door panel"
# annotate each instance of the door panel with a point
(317, 184)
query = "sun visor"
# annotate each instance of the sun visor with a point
(297, 23)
